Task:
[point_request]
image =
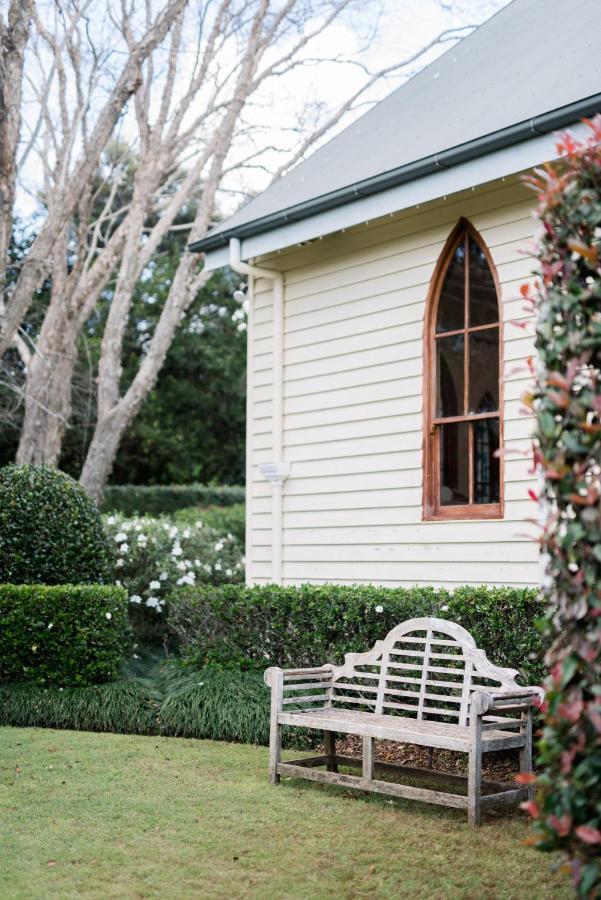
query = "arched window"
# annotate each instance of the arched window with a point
(462, 470)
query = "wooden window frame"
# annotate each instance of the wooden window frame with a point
(433, 510)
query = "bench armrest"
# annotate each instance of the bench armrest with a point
(483, 701)
(273, 673)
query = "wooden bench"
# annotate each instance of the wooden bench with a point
(426, 683)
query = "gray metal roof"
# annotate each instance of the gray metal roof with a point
(533, 67)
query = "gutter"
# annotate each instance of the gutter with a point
(497, 140)
(276, 471)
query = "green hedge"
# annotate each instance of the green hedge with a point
(160, 499)
(50, 530)
(62, 634)
(236, 626)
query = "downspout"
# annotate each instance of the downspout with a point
(277, 470)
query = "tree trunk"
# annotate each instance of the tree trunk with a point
(48, 388)
(102, 452)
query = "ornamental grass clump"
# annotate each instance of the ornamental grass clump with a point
(567, 402)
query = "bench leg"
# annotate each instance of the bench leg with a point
(474, 778)
(526, 751)
(368, 759)
(275, 751)
(329, 740)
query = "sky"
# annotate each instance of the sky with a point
(376, 34)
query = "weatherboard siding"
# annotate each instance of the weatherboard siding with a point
(354, 306)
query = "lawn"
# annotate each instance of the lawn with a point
(105, 815)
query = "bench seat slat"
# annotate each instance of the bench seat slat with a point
(406, 729)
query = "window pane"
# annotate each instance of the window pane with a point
(450, 375)
(454, 465)
(486, 465)
(484, 307)
(451, 305)
(484, 370)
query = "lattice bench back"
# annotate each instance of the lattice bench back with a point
(426, 668)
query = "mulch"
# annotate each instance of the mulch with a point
(499, 766)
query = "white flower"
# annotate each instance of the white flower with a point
(379, 609)
(124, 548)
(136, 656)
(118, 583)
(109, 616)
(206, 567)
(177, 550)
(219, 546)
(181, 565)
(155, 585)
(229, 573)
(51, 625)
(186, 533)
(120, 562)
(120, 537)
(188, 578)
(153, 602)
(230, 536)
(444, 607)
(111, 520)
(197, 563)
(163, 576)
(173, 531)
(166, 526)
(217, 566)
(142, 539)
(198, 523)
(135, 598)
(137, 527)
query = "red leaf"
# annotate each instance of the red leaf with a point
(531, 808)
(562, 826)
(588, 834)
(525, 778)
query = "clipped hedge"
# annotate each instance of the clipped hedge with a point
(161, 499)
(50, 530)
(237, 626)
(62, 634)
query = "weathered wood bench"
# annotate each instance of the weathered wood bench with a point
(426, 683)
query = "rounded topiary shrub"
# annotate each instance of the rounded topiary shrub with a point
(50, 530)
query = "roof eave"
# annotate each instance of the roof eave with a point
(506, 137)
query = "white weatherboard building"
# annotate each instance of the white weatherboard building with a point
(384, 368)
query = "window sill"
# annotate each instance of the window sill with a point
(458, 513)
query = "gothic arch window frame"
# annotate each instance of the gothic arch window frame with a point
(433, 509)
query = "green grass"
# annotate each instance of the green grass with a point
(102, 815)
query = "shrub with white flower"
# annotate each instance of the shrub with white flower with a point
(153, 556)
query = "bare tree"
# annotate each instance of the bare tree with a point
(14, 33)
(76, 143)
(186, 126)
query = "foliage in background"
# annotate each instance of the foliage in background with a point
(62, 634)
(152, 557)
(266, 625)
(158, 500)
(567, 403)
(224, 519)
(50, 530)
(192, 425)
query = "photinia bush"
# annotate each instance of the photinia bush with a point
(567, 402)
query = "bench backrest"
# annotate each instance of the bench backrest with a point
(426, 668)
